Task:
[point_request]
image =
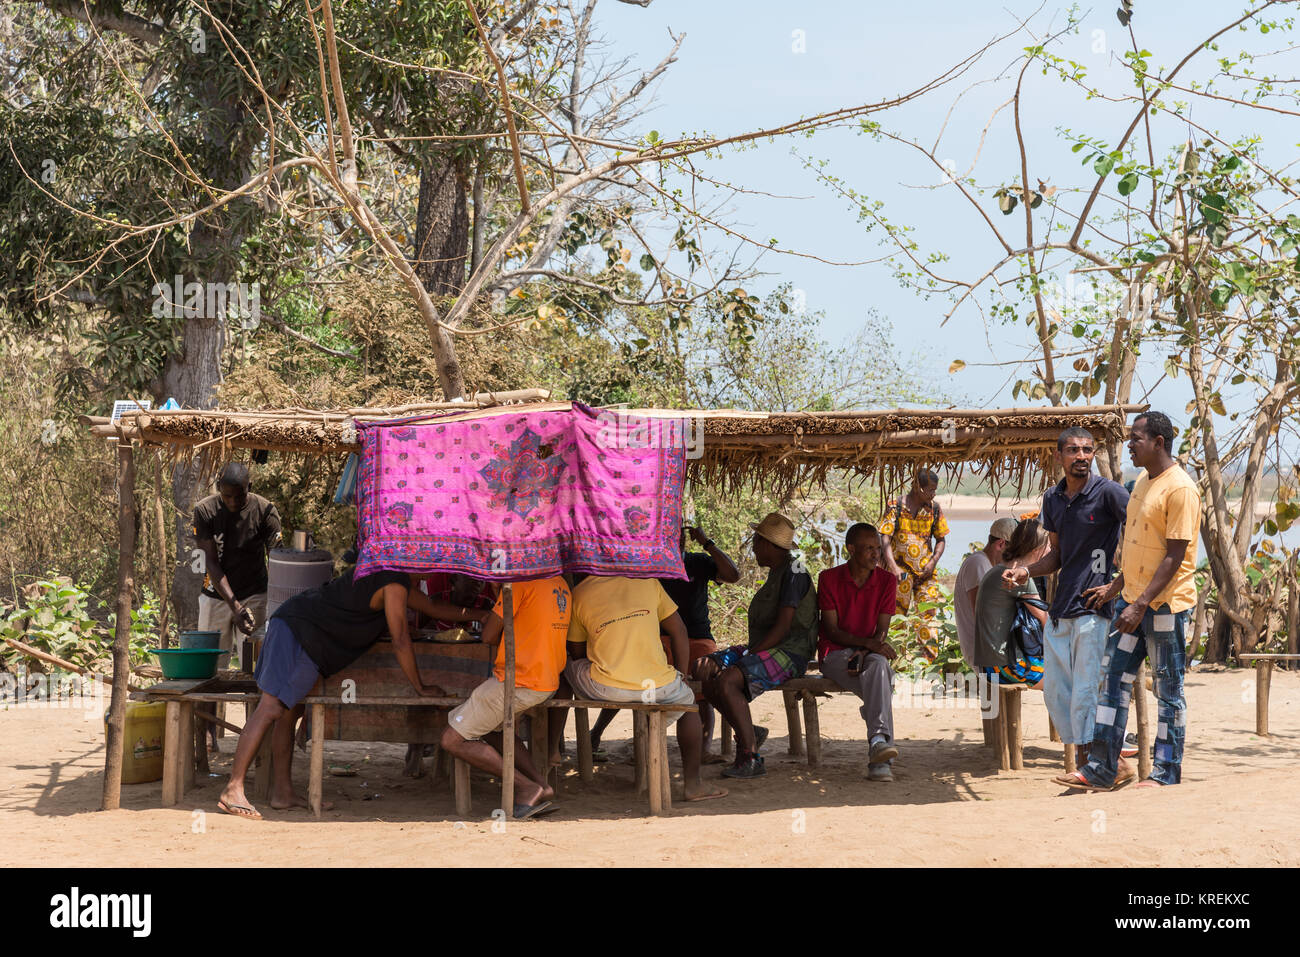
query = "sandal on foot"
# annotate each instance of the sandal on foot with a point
(524, 811)
(240, 810)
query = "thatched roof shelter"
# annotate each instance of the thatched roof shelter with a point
(726, 447)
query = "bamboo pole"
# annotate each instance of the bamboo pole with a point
(111, 798)
(508, 723)
(1143, 722)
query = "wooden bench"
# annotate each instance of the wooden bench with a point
(796, 691)
(1263, 679)
(649, 743)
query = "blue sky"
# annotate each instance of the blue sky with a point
(740, 68)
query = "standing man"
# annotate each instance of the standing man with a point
(972, 571)
(1083, 515)
(908, 526)
(1157, 591)
(234, 529)
(857, 600)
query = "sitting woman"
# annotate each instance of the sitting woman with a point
(1009, 622)
(782, 637)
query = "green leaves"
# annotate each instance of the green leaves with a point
(1128, 183)
(1103, 165)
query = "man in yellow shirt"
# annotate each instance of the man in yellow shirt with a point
(1157, 592)
(616, 656)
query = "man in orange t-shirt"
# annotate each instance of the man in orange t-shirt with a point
(541, 610)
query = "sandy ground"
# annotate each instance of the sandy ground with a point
(949, 805)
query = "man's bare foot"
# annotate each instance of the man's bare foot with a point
(699, 791)
(527, 792)
(556, 760)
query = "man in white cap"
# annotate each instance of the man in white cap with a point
(782, 637)
(969, 576)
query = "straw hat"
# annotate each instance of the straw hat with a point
(777, 529)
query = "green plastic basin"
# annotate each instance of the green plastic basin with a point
(187, 662)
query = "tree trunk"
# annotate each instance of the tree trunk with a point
(441, 228)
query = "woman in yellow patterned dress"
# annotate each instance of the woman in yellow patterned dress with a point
(907, 528)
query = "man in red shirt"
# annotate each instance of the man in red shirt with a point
(857, 600)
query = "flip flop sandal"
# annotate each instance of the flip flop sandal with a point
(240, 810)
(524, 811)
(1079, 782)
(343, 770)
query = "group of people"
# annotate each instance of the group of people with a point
(1085, 652)
(617, 639)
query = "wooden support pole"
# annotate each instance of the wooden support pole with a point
(1015, 730)
(1293, 610)
(1052, 734)
(813, 728)
(460, 787)
(316, 782)
(655, 762)
(1143, 722)
(582, 730)
(1000, 730)
(192, 733)
(639, 725)
(172, 757)
(1071, 759)
(725, 736)
(1263, 678)
(792, 722)
(111, 797)
(665, 772)
(508, 723)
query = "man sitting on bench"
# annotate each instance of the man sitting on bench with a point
(541, 621)
(857, 599)
(617, 656)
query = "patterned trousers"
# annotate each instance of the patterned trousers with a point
(1160, 637)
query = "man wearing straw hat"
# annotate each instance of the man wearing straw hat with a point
(782, 637)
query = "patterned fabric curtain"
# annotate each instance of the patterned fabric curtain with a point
(522, 495)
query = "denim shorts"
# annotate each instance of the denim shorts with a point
(284, 670)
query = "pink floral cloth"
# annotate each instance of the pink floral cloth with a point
(522, 495)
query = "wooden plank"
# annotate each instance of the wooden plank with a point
(665, 772)
(1263, 678)
(813, 728)
(460, 787)
(456, 668)
(172, 754)
(316, 784)
(1143, 722)
(576, 703)
(1015, 732)
(1250, 656)
(188, 730)
(508, 723)
(582, 731)
(655, 763)
(792, 722)
(639, 719)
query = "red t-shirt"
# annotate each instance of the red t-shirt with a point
(857, 608)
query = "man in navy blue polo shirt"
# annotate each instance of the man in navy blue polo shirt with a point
(1084, 515)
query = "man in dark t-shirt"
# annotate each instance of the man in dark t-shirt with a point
(234, 529)
(315, 634)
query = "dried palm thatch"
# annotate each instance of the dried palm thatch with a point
(727, 448)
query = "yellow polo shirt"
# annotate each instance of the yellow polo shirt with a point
(1163, 508)
(618, 619)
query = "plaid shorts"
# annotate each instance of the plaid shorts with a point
(765, 670)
